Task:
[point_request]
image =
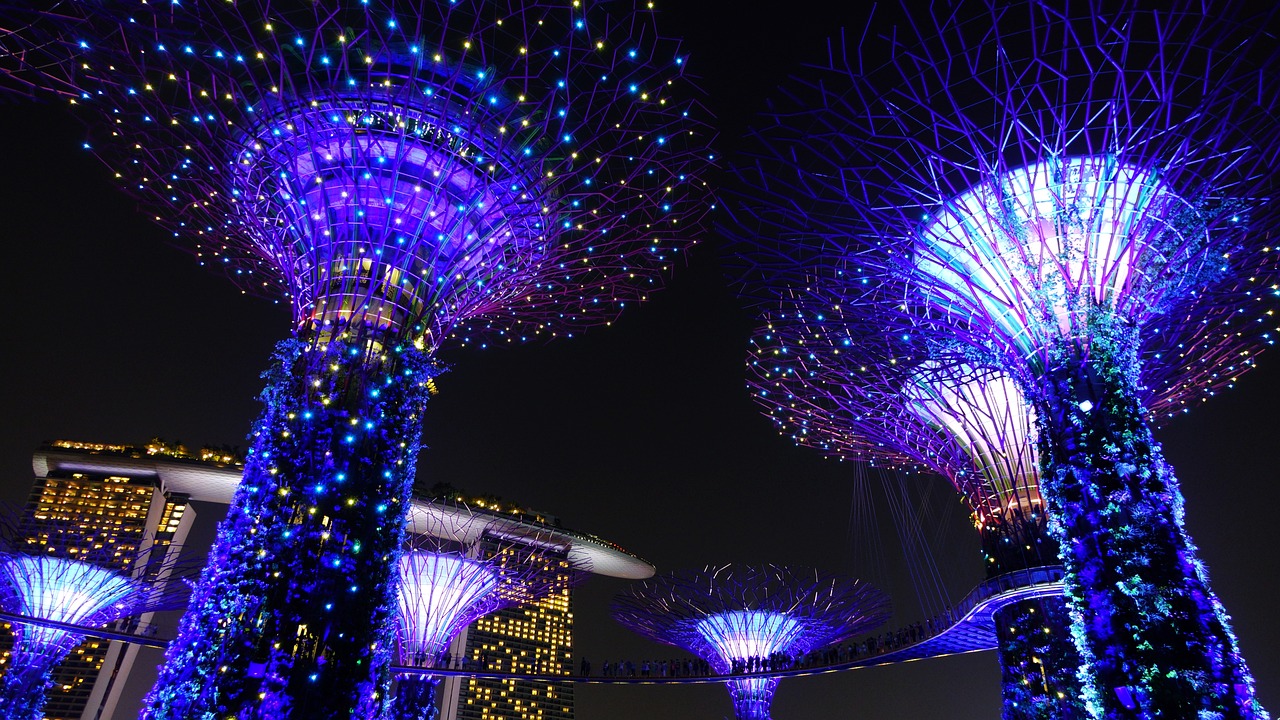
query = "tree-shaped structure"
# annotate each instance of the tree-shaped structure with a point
(736, 616)
(52, 573)
(1075, 196)
(406, 177)
(461, 564)
(843, 393)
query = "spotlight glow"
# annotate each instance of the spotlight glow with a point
(439, 595)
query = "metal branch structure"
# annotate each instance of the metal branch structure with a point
(49, 571)
(1076, 196)
(837, 379)
(842, 393)
(407, 177)
(459, 565)
(739, 617)
(35, 57)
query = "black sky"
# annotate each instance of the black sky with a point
(642, 433)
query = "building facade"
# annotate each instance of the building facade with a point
(135, 495)
(129, 510)
(534, 638)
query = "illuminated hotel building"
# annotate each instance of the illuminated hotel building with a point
(116, 500)
(132, 495)
(536, 638)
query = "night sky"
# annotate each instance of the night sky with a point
(642, 433)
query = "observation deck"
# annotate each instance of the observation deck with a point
(204, 481)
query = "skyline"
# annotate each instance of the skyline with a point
(115, 319)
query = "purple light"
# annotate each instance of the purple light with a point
(463, 563)
(1033, 249)
(734, 614)
(404, 191)
(987, 415)
(53, 571)
(439, 595)
(745, 634)
(741, 635)
(65, 591)
(1083, 211)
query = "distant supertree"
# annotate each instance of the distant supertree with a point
(48, 572)
(843, 393)
(732, 614)
(406, 177)
(1076, 196)
(459, 565)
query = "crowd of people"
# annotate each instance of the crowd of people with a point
(449, 661)
(698, 667)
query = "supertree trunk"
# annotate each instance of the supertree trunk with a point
(416, 698)
(1154, 640)
(22, 692)
(752, 697)
(323, 502)
(1039, 664)
(1038, 661)
(30, 674)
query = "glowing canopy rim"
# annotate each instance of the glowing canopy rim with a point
(1059, 237)
(64, 591)
(745, 634)
(440, 593)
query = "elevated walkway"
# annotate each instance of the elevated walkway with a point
(971, 629)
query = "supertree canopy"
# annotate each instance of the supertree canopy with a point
(407, 177)
(475, 172)
(737, 616)
(49, 573)
(459, 565)
(969, 424)
(831, 380)
(1076, 197)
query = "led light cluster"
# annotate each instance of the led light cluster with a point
(295, 608)
(457, 173)
(406, 176)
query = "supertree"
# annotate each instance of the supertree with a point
(1076, 196)
(731, 614)
(459, 565)
(52, 573)
(406, 177)
(839, 389)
